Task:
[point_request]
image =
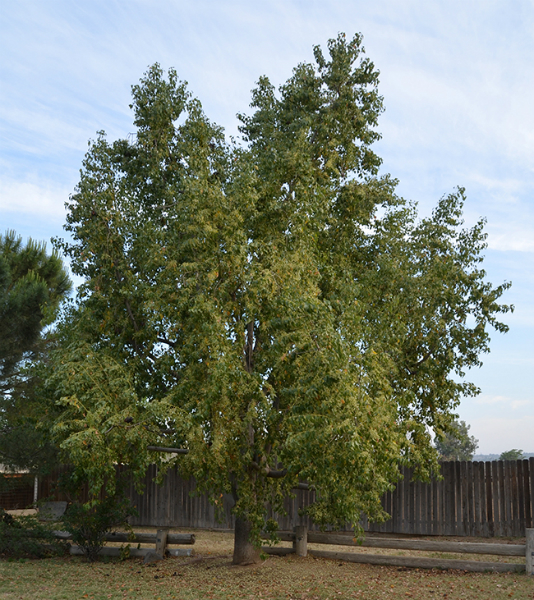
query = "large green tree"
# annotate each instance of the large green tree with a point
(32, 287)
(457, 444)
(270, 307)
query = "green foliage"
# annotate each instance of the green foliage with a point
(102, 423)
(32, 286)
(25, 536)
(511, 455)
(456, 443)
(90, 522)
(124, 553)
(274, 308)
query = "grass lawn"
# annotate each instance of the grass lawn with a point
(209, 574)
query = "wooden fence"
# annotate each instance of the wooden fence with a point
(482, 499)
(16, 491)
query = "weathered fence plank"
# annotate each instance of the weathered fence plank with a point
(469, 499)
(397, 506)
(462, 507)
(496, 498)
(479, 490)
(450, 505)
(440, 512)
(507, 504)
(405, 496)
(527, 494)
(484, 503)
(520, 495)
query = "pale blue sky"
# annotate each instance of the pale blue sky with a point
(457, 80)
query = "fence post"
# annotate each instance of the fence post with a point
(300, 545)
(161, 542)
(35, 490)
(530, 551)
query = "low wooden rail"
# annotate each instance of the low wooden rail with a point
(160, 542)
(301, 537)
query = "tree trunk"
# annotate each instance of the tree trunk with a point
(245, 553)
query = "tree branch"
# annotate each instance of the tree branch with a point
(268, 472)
(162, 340)
(169, 450)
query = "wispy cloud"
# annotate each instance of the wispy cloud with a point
(518, 237)
(506, 401)
(35, 200)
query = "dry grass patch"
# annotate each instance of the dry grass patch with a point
(210, 575)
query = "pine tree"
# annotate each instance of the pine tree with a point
(32, 286)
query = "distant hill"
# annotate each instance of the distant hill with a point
(486, 457)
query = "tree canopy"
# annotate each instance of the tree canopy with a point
(457, 444)
(32, 286)
(269, 306)
(513, 454)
